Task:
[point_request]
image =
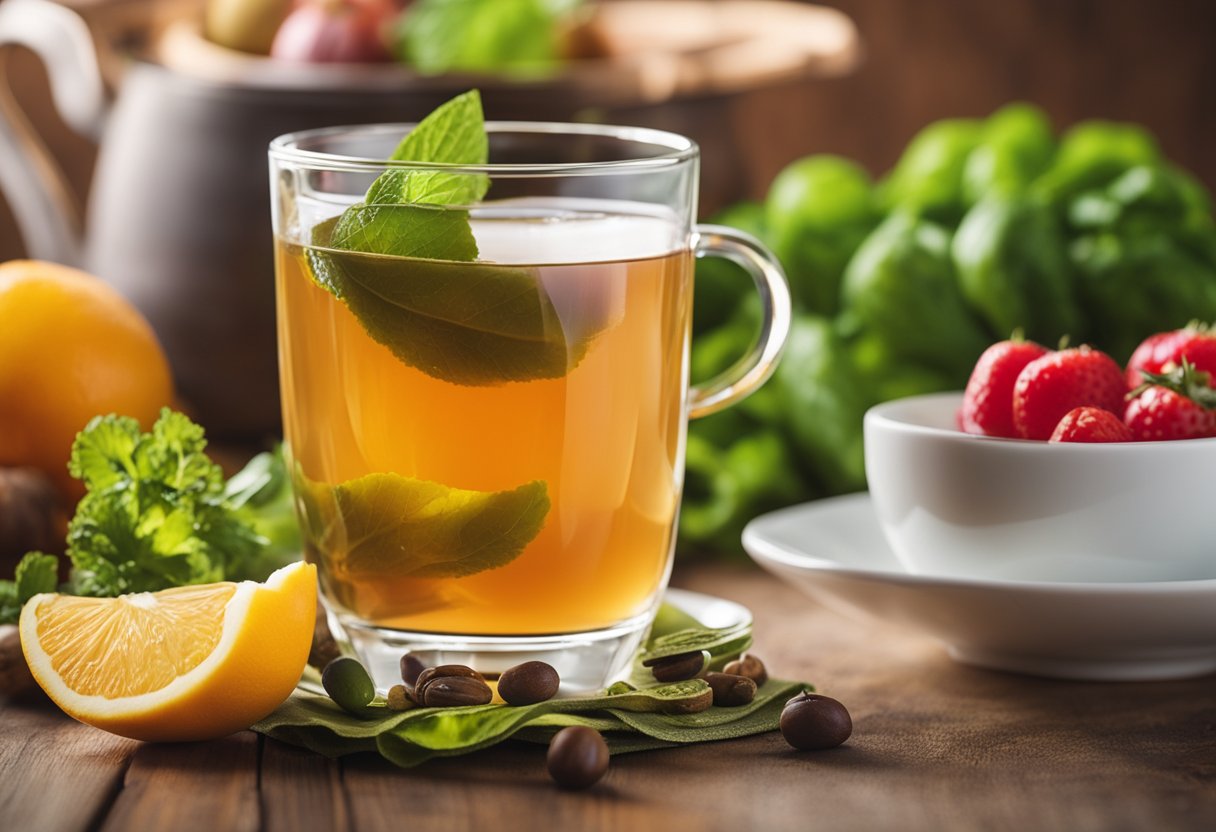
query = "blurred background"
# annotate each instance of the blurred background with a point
(1148, 61)
(855, 137)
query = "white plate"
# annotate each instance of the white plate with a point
(834, 551)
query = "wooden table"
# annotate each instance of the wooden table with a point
(936, 746)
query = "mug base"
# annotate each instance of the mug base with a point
(586, 662)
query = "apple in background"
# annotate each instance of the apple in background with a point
(336, 31)
(247, 25)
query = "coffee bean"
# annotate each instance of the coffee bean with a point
(749, 666)
(397, 699)
(411, 666)
(577, 758)
(454, 692)
(677, 668)
(348, 684)
(439, 672)
(528, 683)
(811, 722)
(731, 690)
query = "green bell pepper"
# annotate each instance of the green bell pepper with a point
(1016, 146)
(1091, 155)
(928, 178)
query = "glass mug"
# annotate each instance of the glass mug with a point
(487, 456)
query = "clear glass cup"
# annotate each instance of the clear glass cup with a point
(487, 456)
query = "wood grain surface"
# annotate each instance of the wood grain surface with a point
(936, 746)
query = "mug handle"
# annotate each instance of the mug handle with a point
(749, 372)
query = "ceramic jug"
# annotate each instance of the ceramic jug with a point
(178, 215)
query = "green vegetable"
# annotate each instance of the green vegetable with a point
(1092, 154)
(261, 492)
(818, 211)
(928, 178)
(720, 284)
(900, 284)
(824, 403)
(1013, 269)
(1016, 145)
(516, 37)
(388, 525)
(36, 573)
(155, 514)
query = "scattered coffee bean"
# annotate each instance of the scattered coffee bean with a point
(397, 700)
(528, 683)
(439, 672)
(577, 758)
(731, 690)
(677, 668)
(411, 666)
(348, 684)
(811, 722)
(749, 666)
(455, 692)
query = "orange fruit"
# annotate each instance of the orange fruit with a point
(71, 347)
(189, 663)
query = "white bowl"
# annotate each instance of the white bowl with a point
(953, 504)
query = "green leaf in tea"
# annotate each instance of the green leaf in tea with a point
(471, 324)
(389, 526)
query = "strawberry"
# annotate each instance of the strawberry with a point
(1050, 386)
(1180, 404)
(1091, 424)
(988, 400)
(1164, 351)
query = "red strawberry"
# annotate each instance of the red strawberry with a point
(1049, 387)
(1091, 424)
(1180, 404)
(988, 400)
(1162, 352)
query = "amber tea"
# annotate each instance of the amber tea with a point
(506, 462)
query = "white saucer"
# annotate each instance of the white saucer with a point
(834, 551)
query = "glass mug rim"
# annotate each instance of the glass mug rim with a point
(672, 149)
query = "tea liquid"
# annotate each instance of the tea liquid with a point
(605, 437)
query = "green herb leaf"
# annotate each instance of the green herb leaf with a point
(261, 495)
(389, 525)
(466, 324)
(511, 36)
(716, 642)
(155, 514)
(36, 573)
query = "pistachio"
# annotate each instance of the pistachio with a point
(397, 700)
(348, 684)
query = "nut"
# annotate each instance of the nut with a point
(454, 692)
(577, 757)
(749, 666)
(677, 668)
(417, 691)
(397, 700)
(731, 690)
(811, 722)
(528, 683)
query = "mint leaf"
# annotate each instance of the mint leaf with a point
(36, 573)
(454, 133)
(388, 525)
(473, 324)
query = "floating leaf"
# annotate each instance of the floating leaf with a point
(388, 526)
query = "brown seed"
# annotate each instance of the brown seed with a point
(411, 667)
(698, 703)
(397, 700)
(455, 692)
(577, 758)
(677, 668)
(528, 683)
(811, 722)
(749, 666)
(441, 671)
(731, 690)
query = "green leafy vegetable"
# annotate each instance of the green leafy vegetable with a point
(390, 525)
(511, 36)
(155, 514)
(261, 493)
(36, 573)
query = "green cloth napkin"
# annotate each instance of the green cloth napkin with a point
(636, 720)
